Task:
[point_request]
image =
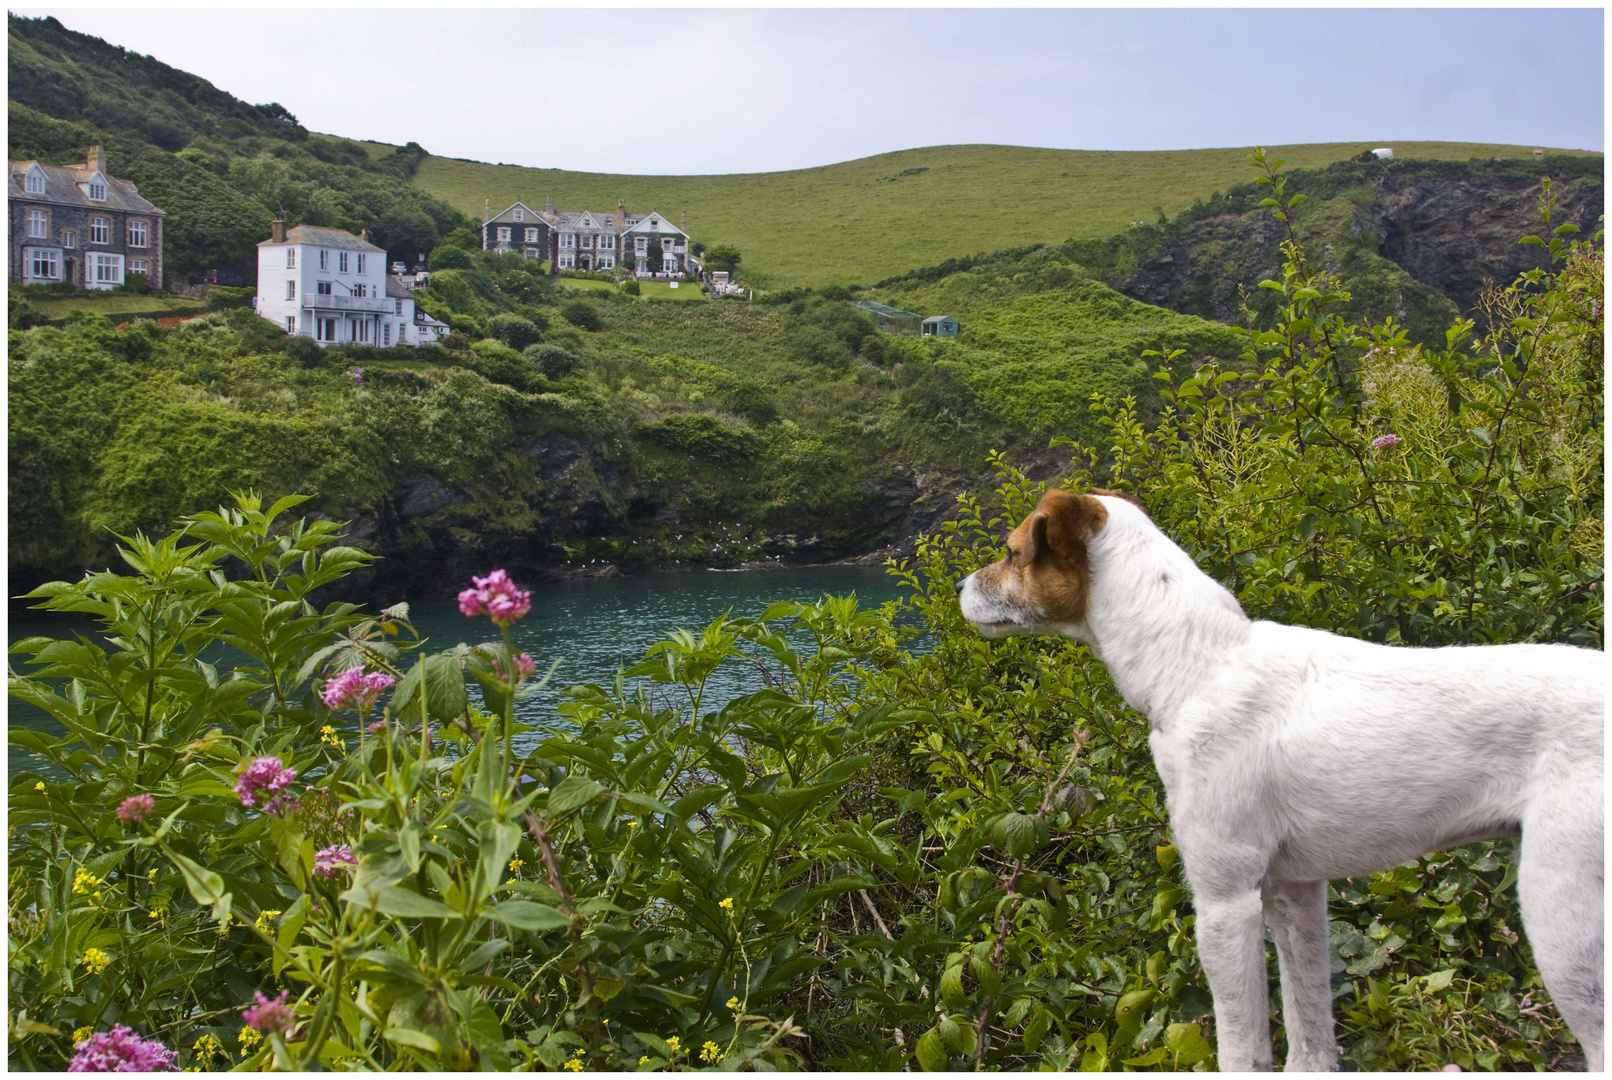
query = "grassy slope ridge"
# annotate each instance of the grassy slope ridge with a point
(860, 221)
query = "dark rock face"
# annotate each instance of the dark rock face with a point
(1452, 234)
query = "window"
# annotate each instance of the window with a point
(386, 333)
(322, 288)
(359, 290)
(100, 230)
(34, 182)
(138, 266)
(43, 264)
(518, 216)
(290, 258)
(324, 259)
(291, 288)
(70, 238)
(503, 234)
(607, 262)
(325, 329)
(399, 310)
(137, 234)
(360, 262)
(531, 236)
(607, 242)
(291, 324)
(567, 260)
(108, 271)
(568, 240)
(361, 330)
(341, 262)
(38, 224)
(98, 189)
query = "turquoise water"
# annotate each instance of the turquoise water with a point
(591, 627)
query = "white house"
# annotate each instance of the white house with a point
(330, 285)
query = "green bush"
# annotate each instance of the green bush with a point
(703, 436)
(514, 331)
(752, 402)
(581, 314)
(224, 298)
(448, 257)
(631, 288)
(553, 361)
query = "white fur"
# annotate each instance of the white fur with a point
(1293, 756)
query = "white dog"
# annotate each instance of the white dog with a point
(1293, 756)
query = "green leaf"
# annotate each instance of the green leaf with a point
(1152, 1057)
(417, 1039)
(206, 887)
(932, 1052)
(444, 681)
(1187, 1043)
(406, 904)
(951, 987)
(526, 915)
(573, 792)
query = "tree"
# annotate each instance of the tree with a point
(448, 257)
(405, 232)
(723, 257)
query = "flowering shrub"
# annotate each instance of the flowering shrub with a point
(121, 1050)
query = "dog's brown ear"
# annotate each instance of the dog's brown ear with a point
(1127, 496)
(1034, 537)
(1071, 520)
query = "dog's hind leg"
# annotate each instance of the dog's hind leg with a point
(1560, 881)
(1296, 912)
(1231, 946)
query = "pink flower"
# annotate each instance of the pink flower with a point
(121, 1050)
(136, 808)
(265, 780)
(356, 374)
(270, 1016)
(379, 725)
(525, 666)
(496, 596)
(353, 689)
(1383, 442)
(335, 859)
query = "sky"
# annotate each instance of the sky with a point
(700, 91)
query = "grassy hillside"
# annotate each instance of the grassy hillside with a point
(861, 221)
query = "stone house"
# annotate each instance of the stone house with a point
(78, 224)
(598, 239)
(518, 228)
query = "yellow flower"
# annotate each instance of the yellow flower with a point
(632, 824)
(84, 882)
(515, 866)
(710, 1052)
(265, 917)
(673, 1045)
(96, 960)
(733, 1003)
(151, 875)
(726, 904)
(573, 1065)
(158, 913)
(644, 1060)
(206, 1047)
(83, 1033)
(39, 785)
(249, 1038)
(327, 734)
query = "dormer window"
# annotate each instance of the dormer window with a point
(97, 186)
(518, 216)
(34, 182)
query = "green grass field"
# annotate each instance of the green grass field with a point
(652, 290)
(58, 307)
(860, 221)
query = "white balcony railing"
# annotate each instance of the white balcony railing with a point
(330, 302)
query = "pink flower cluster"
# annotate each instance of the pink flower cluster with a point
(525, 666)
(1383, 442)
(496, 596)
(272, 1016)
(353, 689)
(265, 781)
(136, 808)
(121, 1050)
(330, 861)
(356, 374)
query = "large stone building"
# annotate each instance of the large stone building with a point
(648, 244)
(76, 223)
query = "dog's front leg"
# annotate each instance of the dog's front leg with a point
(1297, 915)
(1231, 945)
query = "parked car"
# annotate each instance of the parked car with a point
(224, 277)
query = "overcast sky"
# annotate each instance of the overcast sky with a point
(756, 90)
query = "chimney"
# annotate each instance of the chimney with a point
(486, 211)
(551, 206)
(97, 160)
(277, 230)
(363, 234)
(621, 208)
(685, 223)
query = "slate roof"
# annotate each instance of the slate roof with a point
(62, 188)
(531, 217)
(603, 220)
(396, 290)
(320, 236)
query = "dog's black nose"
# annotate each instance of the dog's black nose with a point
(958, 585)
